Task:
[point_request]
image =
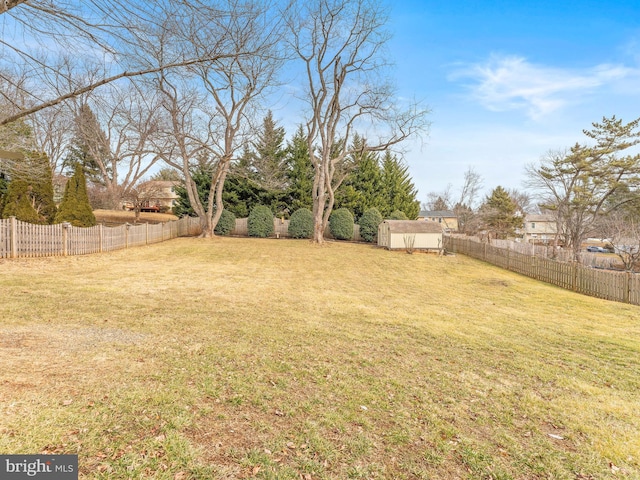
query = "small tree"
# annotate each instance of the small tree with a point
(341, 224)
(500, 214)
(369, 222)
(398, 215)
(260, 222)
(226, 223)
(17, 202)
(75, 207)
(301, 224)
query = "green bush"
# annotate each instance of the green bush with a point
(341, 224)
(301, 224)
(398, 215)
(226, 223)
(260, 222)
(369, 222)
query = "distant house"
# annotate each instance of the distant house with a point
(446, 218)
(414, 234)
(153, 195)
(539, 229)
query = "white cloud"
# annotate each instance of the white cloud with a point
(513, 83)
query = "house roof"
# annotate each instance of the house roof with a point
(437, 213)
(534, 217)
(413, 226)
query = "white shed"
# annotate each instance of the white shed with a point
(414, 234)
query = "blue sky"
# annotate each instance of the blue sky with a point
(508, 81)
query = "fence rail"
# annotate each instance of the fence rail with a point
(607, 284)
(20, 239)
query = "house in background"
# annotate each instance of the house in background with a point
(446, 218)
(539, 229)
(152, 196)
(410, 234)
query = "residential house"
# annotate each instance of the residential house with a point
(539, 229)
(446, 218)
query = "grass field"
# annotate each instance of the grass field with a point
(277, 359)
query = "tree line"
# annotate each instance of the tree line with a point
(184, 83)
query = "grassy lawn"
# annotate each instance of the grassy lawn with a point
(242, 358)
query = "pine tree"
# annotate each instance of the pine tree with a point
(75, 207)
(362, 189)
(398, 188)
(268, 160)
(299, 173)
(500, 213)
(89, 147)
(42, 187)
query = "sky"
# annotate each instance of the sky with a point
(508, 81)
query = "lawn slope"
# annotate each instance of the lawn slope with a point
(245, 358)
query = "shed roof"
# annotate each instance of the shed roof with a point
(413, 226)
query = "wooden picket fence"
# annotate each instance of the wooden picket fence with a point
(607, 284)
(19, 239)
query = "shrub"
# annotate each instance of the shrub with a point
(398, 215)
(260, 222)
(341, 224)
(369, 222)
(226, 223)
(301, 224)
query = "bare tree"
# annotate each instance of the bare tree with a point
(142, 195)
(341, 46)
(209, 109)
(623, 233)
(109, 35)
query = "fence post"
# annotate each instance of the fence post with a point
(574, 277)
(101, 230)
(626, 293)
(13, 236)
(146, 238)
(126, 236)
(65, 238)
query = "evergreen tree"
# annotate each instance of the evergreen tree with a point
(18, 202)
(398, 188)
(75, 207)
(500, 214)
(201, 176)
(269, 159)
(42, 187)
(362, 189)
(4, 187)
(89, 147)
(299, 173)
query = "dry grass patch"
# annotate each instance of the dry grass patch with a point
(244, 358)
(119, 217)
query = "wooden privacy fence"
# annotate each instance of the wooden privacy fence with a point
(607, 284)
(20, 239)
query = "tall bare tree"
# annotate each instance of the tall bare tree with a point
(341, 46)
(109, 35)
(209, 108)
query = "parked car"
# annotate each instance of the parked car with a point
(597, 249)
